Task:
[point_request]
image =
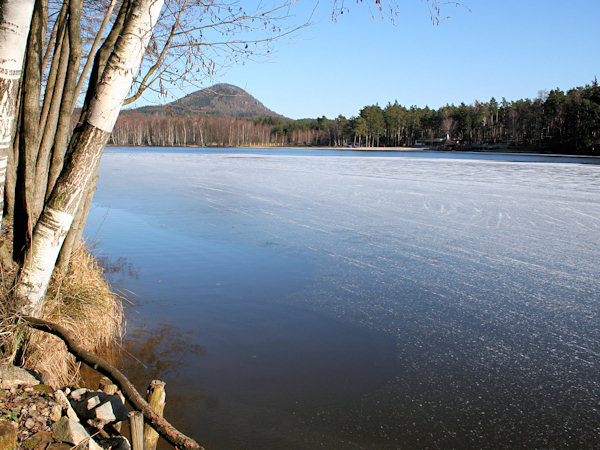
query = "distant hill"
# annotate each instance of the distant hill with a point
(220, 100)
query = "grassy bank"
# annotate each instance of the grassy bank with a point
(80, 300)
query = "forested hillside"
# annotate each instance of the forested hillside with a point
(556, 121)
(220, 100)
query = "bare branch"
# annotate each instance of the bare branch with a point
(164, 428)
(143, 85)
(52, 40)
(95, 45)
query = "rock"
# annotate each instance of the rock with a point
(89, 445)
(93, 402)
(105, 412)
(111, 407)
(11, 376)
(78, 393)
(43, 388)
(59, 446)
(62, 400)
(115, 443)
(8, 435)
(67, 430)
(107, 386)
(56, 413)
(39, 441)
(29, 423)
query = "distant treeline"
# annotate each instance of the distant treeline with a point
(555, 121)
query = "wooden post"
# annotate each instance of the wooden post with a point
(156, 396)
(136, 422)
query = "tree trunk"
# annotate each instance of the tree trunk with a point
(11, 175)
(86, 147)
(69, 96)
(73, 238)
(15, 19)
(50, 118)
(26, 215)
(58, 33)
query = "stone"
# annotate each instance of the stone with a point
(43, 388)
(67, 430)
(105, 412)
(8, 435)
(115, 443)
(62, 400)
(93, 402)
(90, 444)
(39, 441)
(29, 423)
(97, 399)
(107, 386)
(11, 376)
(55, 413)
(78, 393)
(121, 396)
(59, 446)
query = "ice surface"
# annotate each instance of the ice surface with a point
(484, 272)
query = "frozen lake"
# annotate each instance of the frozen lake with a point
(344, 300)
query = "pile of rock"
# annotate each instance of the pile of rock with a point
(35, 416)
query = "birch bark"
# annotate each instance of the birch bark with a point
(84, 152)
(15, 18)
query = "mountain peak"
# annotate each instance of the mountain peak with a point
(220, 100)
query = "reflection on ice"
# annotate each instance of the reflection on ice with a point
(484, 274)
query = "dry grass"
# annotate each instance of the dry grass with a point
(82, 302)
(10, 333)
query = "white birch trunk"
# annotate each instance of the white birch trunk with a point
(15, 18)
(85, 150)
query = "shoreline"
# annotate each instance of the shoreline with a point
(523, 152)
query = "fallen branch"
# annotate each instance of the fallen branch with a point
(164, 428)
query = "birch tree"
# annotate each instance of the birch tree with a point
(83, 154)
(15, 18)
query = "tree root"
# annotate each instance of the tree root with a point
(164, 428)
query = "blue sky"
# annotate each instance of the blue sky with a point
(500, 48)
